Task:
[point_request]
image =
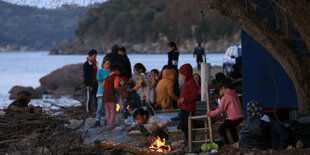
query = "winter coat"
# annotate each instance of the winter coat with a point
(173, 59)
(89, 75)
(126, 67)
(114, 58)
(134, 100)
(230, 105)
(199, 51)
(164, 90)
(189, 90)
(110, 86)
(101, 75)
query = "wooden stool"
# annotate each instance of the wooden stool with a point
(207, 130)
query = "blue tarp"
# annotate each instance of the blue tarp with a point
(258, 68)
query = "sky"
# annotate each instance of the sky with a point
(53, 3)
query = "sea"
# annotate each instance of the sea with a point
(26, 68)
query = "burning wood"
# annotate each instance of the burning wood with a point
(132, 149)
(160, 145)
(117, 107)
(128, 107)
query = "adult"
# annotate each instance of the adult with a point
(114, 57)
(21, 104)
(173, 56)
(125, 63)
(173, 59)
(90, 68)
(200, 52)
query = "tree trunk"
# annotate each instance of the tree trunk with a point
(299, 13)
(295, 65)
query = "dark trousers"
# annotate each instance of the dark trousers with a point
(199, 64)
(92, 103)
(184, 121)
(231, 125)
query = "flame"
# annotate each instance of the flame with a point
(160, 146)
(117, 107)
(128, 107)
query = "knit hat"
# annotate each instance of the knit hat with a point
(115, 47)
(187, 71)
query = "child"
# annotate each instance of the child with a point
(164, 89)
(186, 102)
(149, 126)
(154, 75)
(123, 95)
(230, 105)
(133, 99)
(101, 76)
(143, 86)
(111, 86)
(198, 84)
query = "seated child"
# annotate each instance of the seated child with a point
(230, 105)
(21, 104)
(149, 126)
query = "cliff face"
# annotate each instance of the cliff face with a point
(25, 28)
(145, 26)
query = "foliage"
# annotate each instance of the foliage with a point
(137, 21)
(37, 29)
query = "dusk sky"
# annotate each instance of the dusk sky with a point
(53, 3)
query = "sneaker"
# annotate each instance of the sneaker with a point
(97, 124)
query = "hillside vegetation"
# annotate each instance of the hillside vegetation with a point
(145, 26)
(25, 28)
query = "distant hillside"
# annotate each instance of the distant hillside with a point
(25, 28)
(145, 26)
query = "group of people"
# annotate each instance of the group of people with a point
(113, 83)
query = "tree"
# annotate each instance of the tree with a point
(275, 40)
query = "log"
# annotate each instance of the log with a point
(129, 148)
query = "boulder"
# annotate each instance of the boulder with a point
(64, 81)
(35, 94)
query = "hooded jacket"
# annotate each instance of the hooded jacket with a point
(189, 90)
(230, 105)
(164, 89)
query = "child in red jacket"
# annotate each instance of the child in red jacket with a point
(186, 102)
(230, 105)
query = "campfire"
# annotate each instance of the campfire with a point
(118, 107)
(160, 145)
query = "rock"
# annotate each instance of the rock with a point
(249, 153)
(54, 51)
(176, 152)
(118, 128)
(35, 94)
(290, 148)
(64, 81)
(235, 145)
(204, 153)
(299, 145)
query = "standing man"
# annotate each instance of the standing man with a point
(90, 68)
(200, 52)
(114, 57)
(126, 66)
